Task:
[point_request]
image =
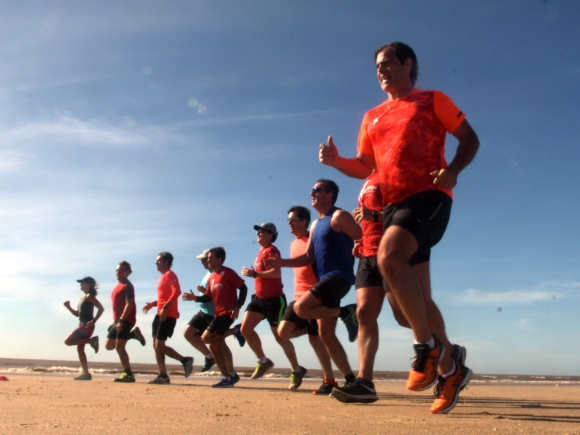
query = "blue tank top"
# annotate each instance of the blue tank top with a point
(332, 250)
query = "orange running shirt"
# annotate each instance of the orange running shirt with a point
(304, 277)
(168, 290)
(370, 196)
(407, 138)
(221, 287)
(267, 287)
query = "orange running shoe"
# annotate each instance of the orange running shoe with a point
(448, 389)
(423, 372)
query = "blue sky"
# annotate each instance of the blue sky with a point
(130, 128)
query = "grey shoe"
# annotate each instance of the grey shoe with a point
(95, 343)
(84, 377)
(159, 380)
(359, 391)
(262, 369)
(296, 378)
(188, 366)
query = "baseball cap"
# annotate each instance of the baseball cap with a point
(87, 279)
(266, 226)
(203, 255)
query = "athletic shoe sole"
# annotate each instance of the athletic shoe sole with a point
(343, 397)
(462, 385)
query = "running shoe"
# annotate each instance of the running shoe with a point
(125, 378)
(84, 377)
(296, 378)
(326, 388)
(209, 363)
(138, 335)
(235, 378)
(423, 372)
(359, 391)
(224, 383)
(95, 343)
(459, 353)
(187, 366)
(238, 335)
(160, 380)
(447, 390)
(262, 369)
(351, 322)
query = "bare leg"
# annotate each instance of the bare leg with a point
(287, 330)
(192, 336)
(309, 307)
(249, 324)
(287, 347)
(83, 358)
(220, 351)
(161, 349)
(323, 357)
(396, 248)
(123, 355)
(327, 328)
(369, 302)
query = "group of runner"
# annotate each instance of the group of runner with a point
(403, 210)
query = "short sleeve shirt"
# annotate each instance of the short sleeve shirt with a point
(221, 287)
(407, 138)
(122, 293)
(206, 307)
(168, 290)
(267, 287)
(370, 196)
(304, 277)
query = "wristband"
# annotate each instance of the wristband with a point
(375, 216)
(254, 274)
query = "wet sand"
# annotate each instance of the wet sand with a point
(54, 403)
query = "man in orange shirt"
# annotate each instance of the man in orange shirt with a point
(405, 139)
(269, 302)
(168, 292)
(293, 326)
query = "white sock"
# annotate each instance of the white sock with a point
(452, 371)
(209, 356)
(263, 360)
(430, 343)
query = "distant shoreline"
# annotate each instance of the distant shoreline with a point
(55, 367)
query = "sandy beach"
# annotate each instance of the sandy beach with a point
(51, 402)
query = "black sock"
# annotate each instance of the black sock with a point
(183, 361)
(344, 312)
(349, 378)
(132, 335)
(163, 375)
(129, 372)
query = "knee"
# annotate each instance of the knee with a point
(246, 330)
(300, 310)
(110, 344)
(314, 340)
(279, 339)
(401, 320)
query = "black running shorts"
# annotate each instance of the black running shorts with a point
(220, 324)
(330, 290)
(125, 333)
(163, 330)
(425, 215)
(368, 274)
(291, 316)
(272, 308)
(200, 322)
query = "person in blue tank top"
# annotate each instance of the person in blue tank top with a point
(330, 246)
(199, 323)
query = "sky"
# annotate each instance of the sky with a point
(136, 127)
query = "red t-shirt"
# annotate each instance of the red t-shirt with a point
(221, 287)
(407, 138)
(267, 287)
(304, 277)
(168, 289)
(120, 295)
(370, 196)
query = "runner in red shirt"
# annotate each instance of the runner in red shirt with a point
(168, 292)
(405, 139)
(293, 326)
(124, 319)
(268, 302)
(221, 290)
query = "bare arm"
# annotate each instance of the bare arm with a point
(343, 222)
(359, 166)
(93, 300)
(72, 310)
(466, 151)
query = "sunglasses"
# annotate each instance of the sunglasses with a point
(295, 219)
(317, 189)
